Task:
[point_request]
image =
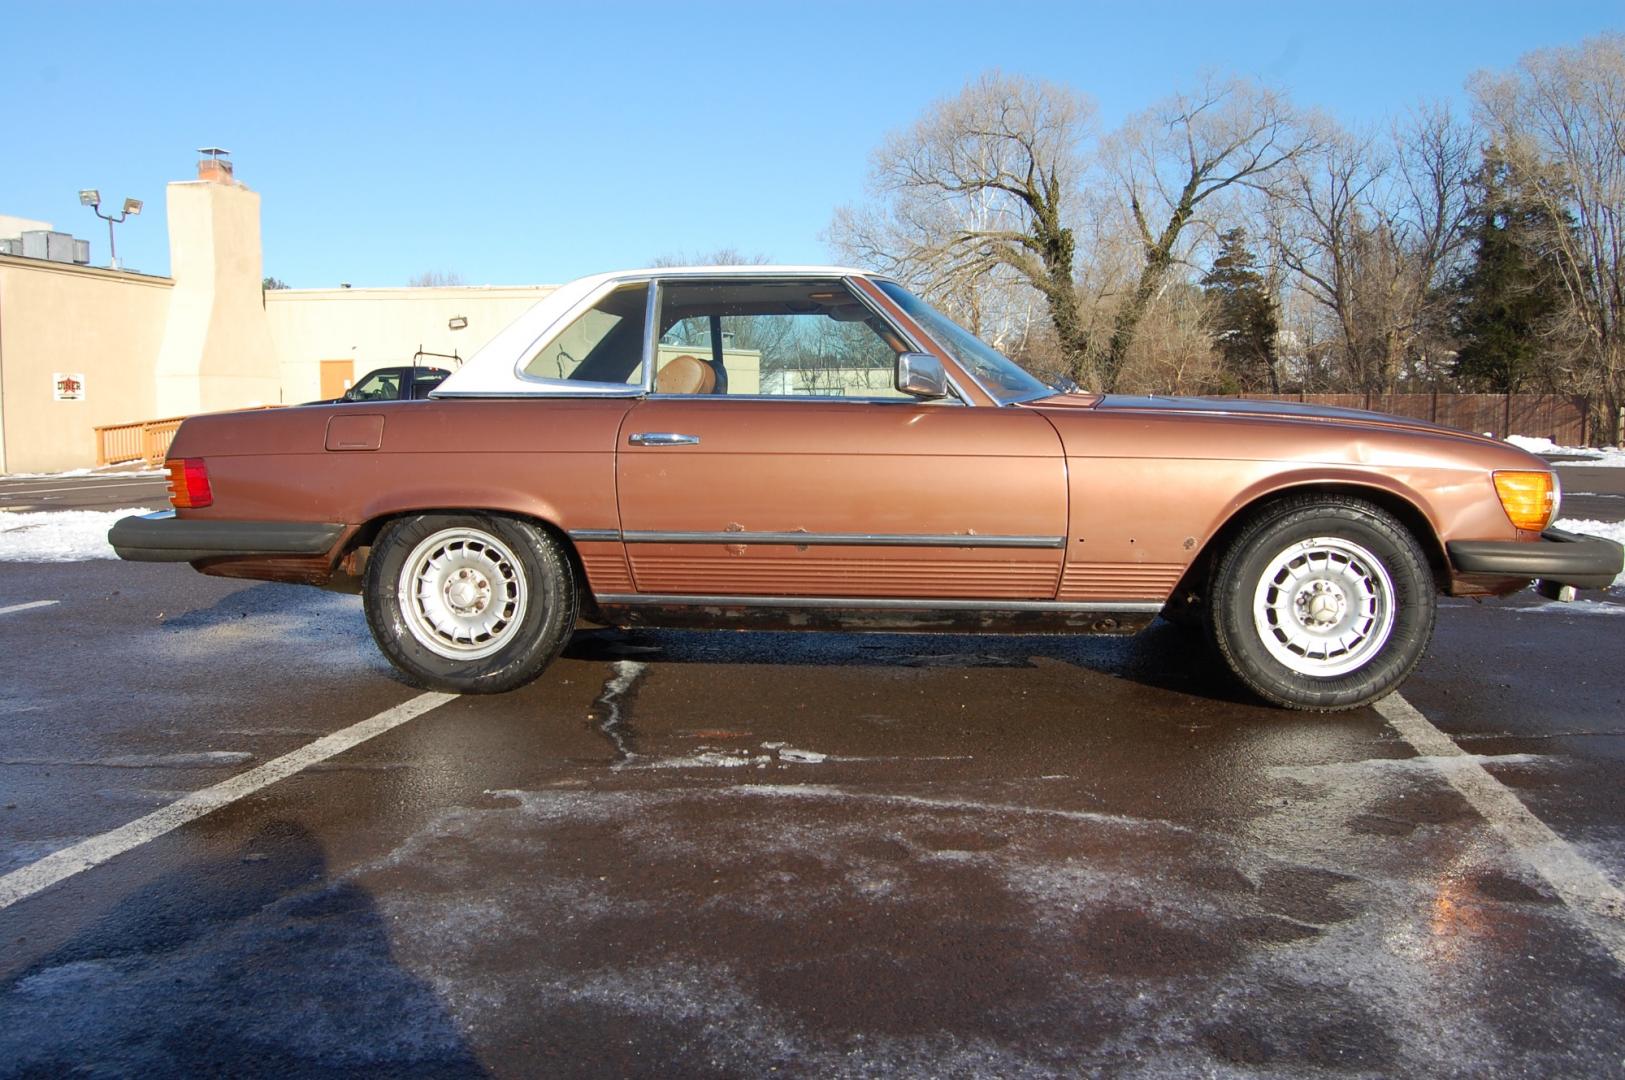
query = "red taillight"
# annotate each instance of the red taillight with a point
(188, 483)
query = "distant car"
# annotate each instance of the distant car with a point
(391, 384)
(817, 448)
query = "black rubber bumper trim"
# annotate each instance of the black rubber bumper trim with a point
(1586, 562)
(163, 537)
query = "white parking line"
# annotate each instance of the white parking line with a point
(31, 605)
(1583, 886)
(25, 882)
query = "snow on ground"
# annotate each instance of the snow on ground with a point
(1608, 530)
(100, 471)
(1607, 457)
(58, 535)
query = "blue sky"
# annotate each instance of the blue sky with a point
(534, 143)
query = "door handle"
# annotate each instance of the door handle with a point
(662, 438)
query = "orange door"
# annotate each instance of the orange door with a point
(337, 377)
(761, 497)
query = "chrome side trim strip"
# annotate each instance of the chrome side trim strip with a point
(925, 603)
(804, 539)
(595, 534)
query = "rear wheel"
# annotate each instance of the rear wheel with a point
(1323, 603)
(469, 603)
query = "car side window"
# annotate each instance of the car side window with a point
(376, 387)
(604, 344)
(774, 339)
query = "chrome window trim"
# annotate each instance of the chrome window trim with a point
(837, 399)
(812, 539)
(545, 391)
(1135, 607)
(651, 339)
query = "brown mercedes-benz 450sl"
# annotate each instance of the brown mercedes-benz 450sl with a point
(815, 447)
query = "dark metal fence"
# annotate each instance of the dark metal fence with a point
(1565, 419)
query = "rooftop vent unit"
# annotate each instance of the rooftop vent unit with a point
(52, 246)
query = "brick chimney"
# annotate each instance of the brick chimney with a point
(215, 170)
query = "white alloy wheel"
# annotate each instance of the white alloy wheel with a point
(1324, 606)
(462, 593)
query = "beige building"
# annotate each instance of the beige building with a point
(324, 339)
(82, 347)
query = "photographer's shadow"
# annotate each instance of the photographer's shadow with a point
(253, 964)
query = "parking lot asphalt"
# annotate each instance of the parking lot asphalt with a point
(725, 854)
(124, 487)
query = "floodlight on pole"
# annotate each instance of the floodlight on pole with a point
(92, 198)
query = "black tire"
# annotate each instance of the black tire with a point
(504, 583)
(1368, 611)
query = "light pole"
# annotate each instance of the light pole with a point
(92, 198)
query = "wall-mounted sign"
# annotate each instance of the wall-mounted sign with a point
(68, 385)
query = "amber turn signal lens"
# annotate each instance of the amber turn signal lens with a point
(188, 483)
(1529, 498)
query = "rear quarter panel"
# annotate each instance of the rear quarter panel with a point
(548, 458)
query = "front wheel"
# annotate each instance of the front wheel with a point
(1323, 603)
(468, 603)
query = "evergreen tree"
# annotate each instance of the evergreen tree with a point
(1508, 291)
(1241, 316)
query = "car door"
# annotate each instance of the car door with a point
(796, 469)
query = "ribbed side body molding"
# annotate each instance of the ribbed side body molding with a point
(860, 603)
(1119, 581)
(607, 572)
(811, 539)
(807, 575)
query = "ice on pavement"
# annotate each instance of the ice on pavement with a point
(59, 535)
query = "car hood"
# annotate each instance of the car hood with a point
(1282, 410)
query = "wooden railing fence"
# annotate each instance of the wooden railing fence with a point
(141, 440)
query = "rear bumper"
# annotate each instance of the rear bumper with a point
(1586, 562)
(163, 537)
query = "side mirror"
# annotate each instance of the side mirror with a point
(921, 374)
(349, 395)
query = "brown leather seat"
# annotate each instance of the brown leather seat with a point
(685, 375)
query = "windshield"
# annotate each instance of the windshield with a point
(998, 374)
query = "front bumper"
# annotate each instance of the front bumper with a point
(163, 537)
(1586, 562)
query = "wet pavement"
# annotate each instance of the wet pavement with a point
(691, 854)
(118, 488)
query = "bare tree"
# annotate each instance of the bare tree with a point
(723, 256)
(972, 203)
(1560, 118)
(434, 279)
(1173, 350)
(1175, 161)
(1369, 230)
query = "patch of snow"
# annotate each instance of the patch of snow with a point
(1573, 607)
(706, 759)
(1608, 530)
(103, 471)
(59, 535)
(1608, 457)
(806, 757)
